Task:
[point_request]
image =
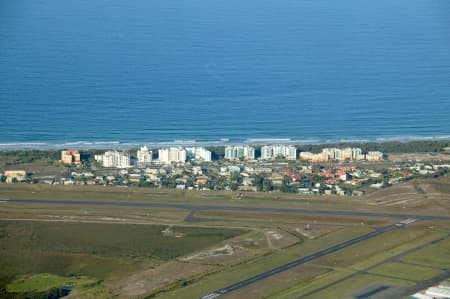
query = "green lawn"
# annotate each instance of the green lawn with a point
(437, 255)
(406, 271)
(95, 249)
(344, 289)
(264, 263)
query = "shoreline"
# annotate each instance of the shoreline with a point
(125, 145)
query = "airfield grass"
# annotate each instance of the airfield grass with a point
(397, 270)
(309, 285)
(92, 213)
(45, 281)
(406, 271)
(278, 282)
(436, 255)
(82, 286)
(277, 217)
(382, 244)
(395, 251)
(253, 199)
(98, 250)
(263, 263)
(344, 289)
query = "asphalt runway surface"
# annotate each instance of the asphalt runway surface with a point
(261, 276)
(299, 262)
(198, 207)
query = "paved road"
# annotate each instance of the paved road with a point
(298, 262)
(188, 206)
(396, 258)
(197, 207)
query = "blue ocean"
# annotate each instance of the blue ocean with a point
(222, 71)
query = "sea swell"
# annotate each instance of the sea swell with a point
(85, 145)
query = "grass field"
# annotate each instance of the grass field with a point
(263, 263)
(347, 288)
(101, 251)
(437, 255)
(125, 252)
(406, 271)
(365, 250)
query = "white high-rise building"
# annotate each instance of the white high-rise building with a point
(114, 159)
(273, 151)
(239, 151)
(173, 154)
(144, 155)
(199, 153)
(266, 152)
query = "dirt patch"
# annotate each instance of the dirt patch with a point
(277, 238)
(158, 278)
(224, 250)
(169, 232)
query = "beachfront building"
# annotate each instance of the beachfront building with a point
(199, 153)
(114, 159)
(173, 154)
(343, 154)
(239, 152)
(273, 151)
(374, 156)
(329, 154)
(144, 155)
(70, 157)
(15, 175)
(311, 157)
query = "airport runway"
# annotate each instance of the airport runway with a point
(299, 262)
(198, 207)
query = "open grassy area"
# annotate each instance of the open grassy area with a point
(309, 285)
(436, 255)
(347, 288)
(45, 281)
(47, 285)
(292, 218)
(261, 264)
(388, 269)
(406, 271)
(94, 249)
(256, 199)
(125, 246)
(382, 244)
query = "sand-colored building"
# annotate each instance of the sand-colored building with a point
(70, 157)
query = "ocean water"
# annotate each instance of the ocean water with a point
(156, 71)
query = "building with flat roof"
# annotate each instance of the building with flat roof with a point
(70, 157)
(240, 152)
(278, 151)
(144, 155)
(348, 153)
(173, 154)
(114, 159)
(374, 156)
(199, 153)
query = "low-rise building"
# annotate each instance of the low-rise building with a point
(374, 156)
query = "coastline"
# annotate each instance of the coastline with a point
(126, 145)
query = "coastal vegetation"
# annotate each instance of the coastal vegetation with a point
(83, 254)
